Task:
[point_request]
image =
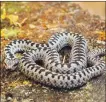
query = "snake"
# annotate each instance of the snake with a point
(55, 73)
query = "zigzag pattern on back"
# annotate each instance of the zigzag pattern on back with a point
(55, 73)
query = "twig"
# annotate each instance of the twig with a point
(64, 59)
(23, 21)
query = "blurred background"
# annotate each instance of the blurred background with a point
(94, 7)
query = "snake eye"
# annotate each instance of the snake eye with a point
(16, 64)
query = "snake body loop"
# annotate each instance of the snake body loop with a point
(54, 72)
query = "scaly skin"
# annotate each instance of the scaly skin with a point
(54, 73)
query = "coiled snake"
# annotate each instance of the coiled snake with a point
(54, 72)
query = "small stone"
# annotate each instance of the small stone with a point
(32, 26)
(9, 96)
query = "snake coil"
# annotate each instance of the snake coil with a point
(55, 73)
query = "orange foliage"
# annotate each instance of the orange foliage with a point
(101, 35)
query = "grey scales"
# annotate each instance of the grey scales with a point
(54, 73)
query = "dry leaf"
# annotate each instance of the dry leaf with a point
(3, 16)
(13, 19)
(26, 82)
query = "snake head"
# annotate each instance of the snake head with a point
(11, 63)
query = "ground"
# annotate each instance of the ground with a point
(37, 21)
